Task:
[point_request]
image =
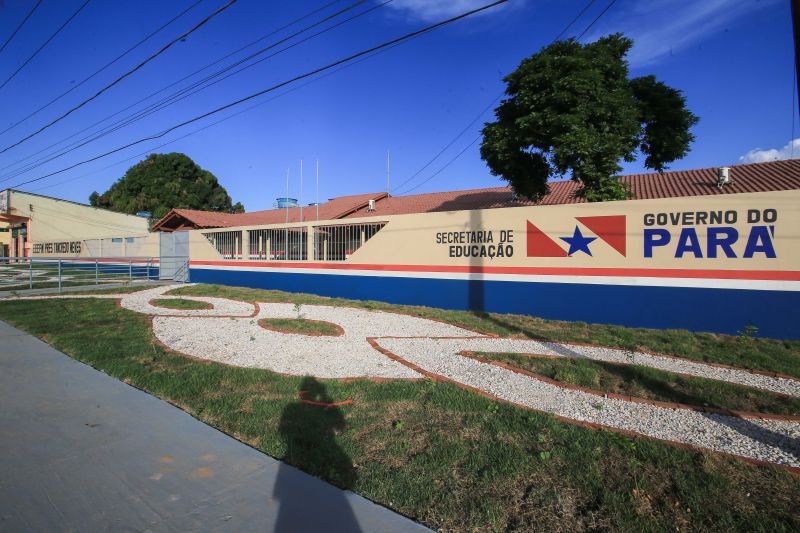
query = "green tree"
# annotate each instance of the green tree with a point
(572, 111)
(163, 182)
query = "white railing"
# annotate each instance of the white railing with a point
(24, 273)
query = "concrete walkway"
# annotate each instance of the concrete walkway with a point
(81, 451)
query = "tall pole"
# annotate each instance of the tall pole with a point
(301, 190)
(286, 229)
(388, 173)
(317, 190)
(796, 28)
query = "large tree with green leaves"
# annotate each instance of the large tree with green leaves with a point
(571, 110)
(163, 182)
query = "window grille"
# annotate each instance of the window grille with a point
(279, 244)
(339, 242)
(227, 243)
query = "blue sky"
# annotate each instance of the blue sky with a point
(732, 58)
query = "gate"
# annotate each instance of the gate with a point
(174, 261)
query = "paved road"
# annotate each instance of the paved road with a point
(81, 451)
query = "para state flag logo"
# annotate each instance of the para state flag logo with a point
(610, 229)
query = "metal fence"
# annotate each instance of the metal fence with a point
(21, 273)
(227, 243)
(288, 244)
(339, 242)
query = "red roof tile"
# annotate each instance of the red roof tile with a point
(330, 210)
(756, 177)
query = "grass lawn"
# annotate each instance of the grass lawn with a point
(300, 325)
(181, 303)
(653, 384)
(446, 457)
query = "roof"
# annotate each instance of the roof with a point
(755, 177)
(332, 209)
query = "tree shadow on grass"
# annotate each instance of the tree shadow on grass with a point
(310, 430)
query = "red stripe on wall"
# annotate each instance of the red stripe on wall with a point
(771, 275)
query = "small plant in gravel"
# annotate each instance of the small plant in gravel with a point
(599, 406)
(298, 307)
(748, 334)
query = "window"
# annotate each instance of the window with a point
(227, 243)
(288, 244)
(339, 242)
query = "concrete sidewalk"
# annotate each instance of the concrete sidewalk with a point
(81, 451)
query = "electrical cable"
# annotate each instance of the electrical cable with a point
(239, 101)
(461, 133)
(459, 154)
(19, 27)
(610, 4)
(22, 66)
(212, 124)
(120, 78)
(101, 69)
(144, 112)
(197, 87)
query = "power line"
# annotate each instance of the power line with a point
(101, 69)
(193, 89)
(212, 124)
(451, 143)
(120, 78)
(21, 24)
(610, 4)
(574, 20)
(239, 101)
(461, 133)
(155, 106)
(459, 154)
(22, 66)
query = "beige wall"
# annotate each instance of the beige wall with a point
(412, 239)
(57, 226)
(59, 220)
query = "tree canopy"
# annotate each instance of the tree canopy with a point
(572, 111)
(163, 182)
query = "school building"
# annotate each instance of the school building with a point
(32, 224)
(707, 250)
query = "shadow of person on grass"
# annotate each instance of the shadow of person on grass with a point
(309, 429)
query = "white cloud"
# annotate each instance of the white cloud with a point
(435, 10)
(661, 28)
(790, 151)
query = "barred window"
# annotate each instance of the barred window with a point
(339, 242)
(279, 244)
(227, 243)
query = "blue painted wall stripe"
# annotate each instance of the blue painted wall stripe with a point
(774, 313)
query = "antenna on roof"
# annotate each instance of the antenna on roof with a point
(317, 190)
(388, 173)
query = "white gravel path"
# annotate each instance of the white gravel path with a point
(766, 440)
(671, 364)
(240, 341)
(140, 302)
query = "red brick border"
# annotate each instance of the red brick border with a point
(339, 329)
(589, 425)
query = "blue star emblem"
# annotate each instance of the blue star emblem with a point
(578, 243)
